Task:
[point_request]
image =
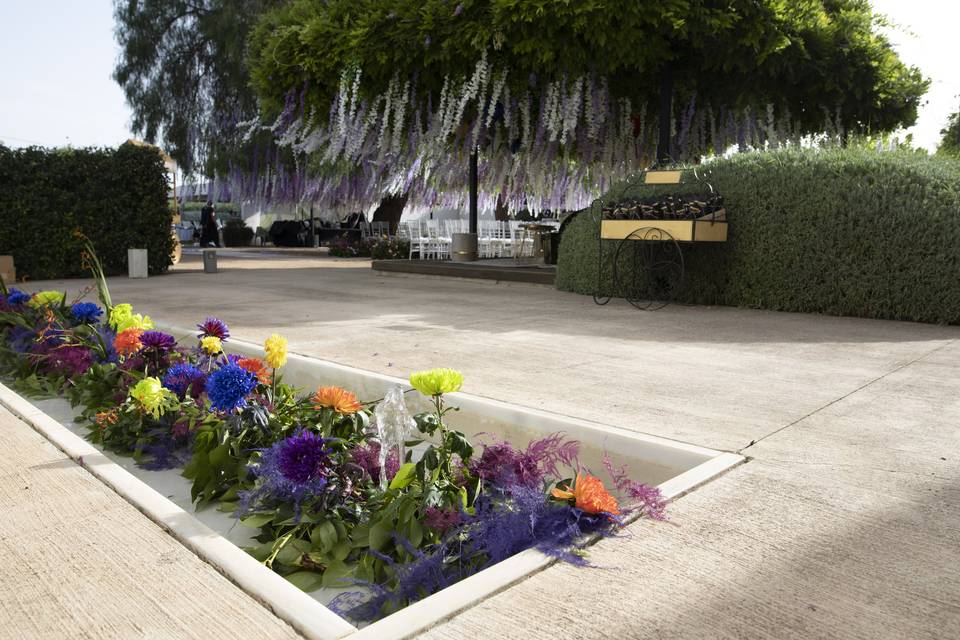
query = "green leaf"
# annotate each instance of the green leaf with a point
(380, 534)
(404, 476)
(335, 573)
(257, 520)
(306, 580)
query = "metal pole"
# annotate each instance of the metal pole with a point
(473, 190)
(664, 157)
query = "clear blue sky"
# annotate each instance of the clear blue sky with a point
(56, 58)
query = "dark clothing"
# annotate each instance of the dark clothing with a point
(209, 233)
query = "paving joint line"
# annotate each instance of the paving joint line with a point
(847, 395)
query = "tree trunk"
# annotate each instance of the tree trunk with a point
(501, 213)
(664, 155)
(390, 210)
(474, 179)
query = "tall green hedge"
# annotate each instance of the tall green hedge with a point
(117, 197)
(845, 232)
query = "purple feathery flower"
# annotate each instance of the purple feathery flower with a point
(503, 465)
(441, 519)
(458, 10)
(158, 341)
(106, 337)
(292, 470)
(64, 360)
(228, 387)
(183, 378)
(506, 522)
(367, 457)
(213, 327)
(85, 313)
(647, 499)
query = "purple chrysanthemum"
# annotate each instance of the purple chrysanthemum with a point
(303, 457)
(292, 470)
(213, 327)
(184, 378)
(158, 341)
(367, 457)
(228, 387)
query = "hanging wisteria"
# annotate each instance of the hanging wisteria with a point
(557, 145)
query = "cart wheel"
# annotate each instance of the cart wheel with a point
(648, 268)
(177, 251)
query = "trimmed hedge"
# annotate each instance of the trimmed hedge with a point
(844, 232)
(117, 197)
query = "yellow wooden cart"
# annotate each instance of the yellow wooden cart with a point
(647, 263)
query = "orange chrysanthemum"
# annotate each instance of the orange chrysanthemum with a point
(128, 342)
(257, 367)
(105, 419)
(590, 495)
(337, 398)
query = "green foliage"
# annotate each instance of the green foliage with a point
(950, 141)
(803, 57)
(376, 248)
(116, 197)
(845, 232)
(182, 69)
(236, 233)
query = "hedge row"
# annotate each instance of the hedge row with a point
(845, 232)
(117, 197)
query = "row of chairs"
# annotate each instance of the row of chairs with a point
(379, 229)
(432, 239)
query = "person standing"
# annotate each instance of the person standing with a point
(209, 230)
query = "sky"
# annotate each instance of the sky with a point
(57, 57)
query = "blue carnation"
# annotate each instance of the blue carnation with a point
(15, 297)
(86, 313)
(182, 378)
(229, 385)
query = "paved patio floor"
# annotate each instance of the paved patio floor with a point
(844, 524)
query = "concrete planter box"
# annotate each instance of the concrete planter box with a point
(674, 467)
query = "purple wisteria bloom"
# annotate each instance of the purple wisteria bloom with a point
(213, 327)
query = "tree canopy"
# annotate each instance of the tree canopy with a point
(560, 95)
(182, 68)
(950, 137)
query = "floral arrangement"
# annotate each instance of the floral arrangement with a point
(342, 492)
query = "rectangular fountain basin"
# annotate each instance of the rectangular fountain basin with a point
(674, 467)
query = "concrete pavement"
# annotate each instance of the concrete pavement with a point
(844, 524)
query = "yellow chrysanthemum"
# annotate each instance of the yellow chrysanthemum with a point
(436, 382)
(151, 395)
(211, 345)
(46, 299)
(275, 349)
(120, 314)
(136, 321)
